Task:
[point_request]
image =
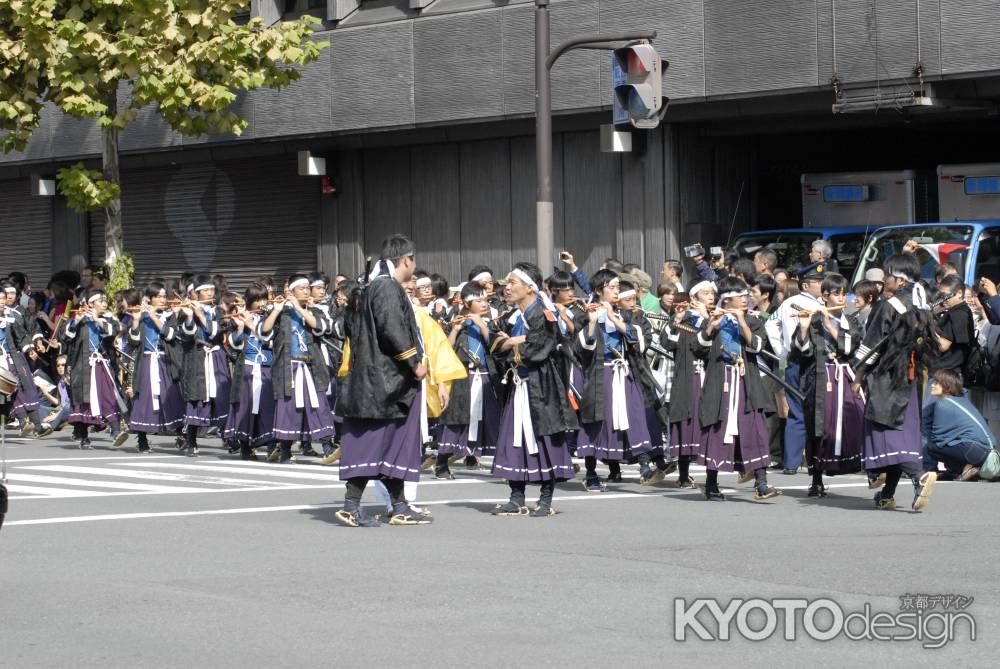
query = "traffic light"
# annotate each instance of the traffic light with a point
(637, 78)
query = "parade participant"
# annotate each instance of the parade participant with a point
(651, 389)
(157, 402)
(536, 416)
(380, 398)
(483, 275)
(612, 409)
(15, 344)
(94, 393)
(320, 298)
(206, 380)
(686, 435)
(472, 418)
(251, 415)
(734, 399)
(780, 328)
(298, 373)
(890, 364)
(834, 413)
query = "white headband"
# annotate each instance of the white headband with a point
(476, 296)
(733, 293)
(896, 274)
(95, 297)
(456, 289)
(703, 285)
(10, 289)
(525, 279)
(318, 283)
(614, 282)
(298, 282)
(204, 286)
(190, 288)
(482, 276)
(626, 293)
(423, 281)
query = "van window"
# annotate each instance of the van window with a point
(988, 256)
(847, 252)
(937, 244)
(791, 248)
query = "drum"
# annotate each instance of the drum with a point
(8, 382)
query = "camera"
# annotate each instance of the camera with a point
(694, 250)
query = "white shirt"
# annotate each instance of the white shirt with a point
(782, 324)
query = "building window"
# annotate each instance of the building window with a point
(316, 8)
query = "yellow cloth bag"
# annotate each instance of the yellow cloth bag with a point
(443, 365)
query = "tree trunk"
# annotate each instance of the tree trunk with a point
(113, 213)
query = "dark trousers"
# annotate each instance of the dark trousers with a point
(795, 425)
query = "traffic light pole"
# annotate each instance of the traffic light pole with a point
(544, 215)
(544, 60)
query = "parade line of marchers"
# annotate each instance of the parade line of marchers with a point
(392, 362)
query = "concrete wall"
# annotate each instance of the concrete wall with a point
(468, 60)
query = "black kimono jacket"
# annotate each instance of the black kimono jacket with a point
(895, 337)
(281, 342)
(458, 409)
(812, 356)
(75, 344)
(550, 409)
(384, 349)
(758, 395)
(591, 355)
(194, 348)
(18, 343)
(684, 346)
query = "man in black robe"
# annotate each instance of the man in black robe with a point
(380, 397)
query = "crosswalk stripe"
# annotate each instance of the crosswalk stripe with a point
(114, 485)
(39, 492)
(157, 476)
(261, 470)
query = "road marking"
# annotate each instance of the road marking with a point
(42, 492)
(653, 494)
(115, 485)
(112, 457)
(261, 470)
(155, 475)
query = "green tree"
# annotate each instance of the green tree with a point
(188, 58)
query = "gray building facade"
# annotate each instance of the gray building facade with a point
(425, 118)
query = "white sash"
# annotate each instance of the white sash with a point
(732, 416)
(154, 377)
(475, 403)
(302, 382)
(256, 384)
(210, 385)
(619, 407)
(96, 362)
(524, 433)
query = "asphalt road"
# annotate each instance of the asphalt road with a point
(112, 559)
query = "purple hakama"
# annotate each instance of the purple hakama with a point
(750, 446)
(686, 436)
(884, 446)
(454, 439)
(215, 411)
(514, 463)
(101, 379)
(170, 415)
(306, 422)
(601, 440)
(245, 426)
(844, 457)
(382, 448)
